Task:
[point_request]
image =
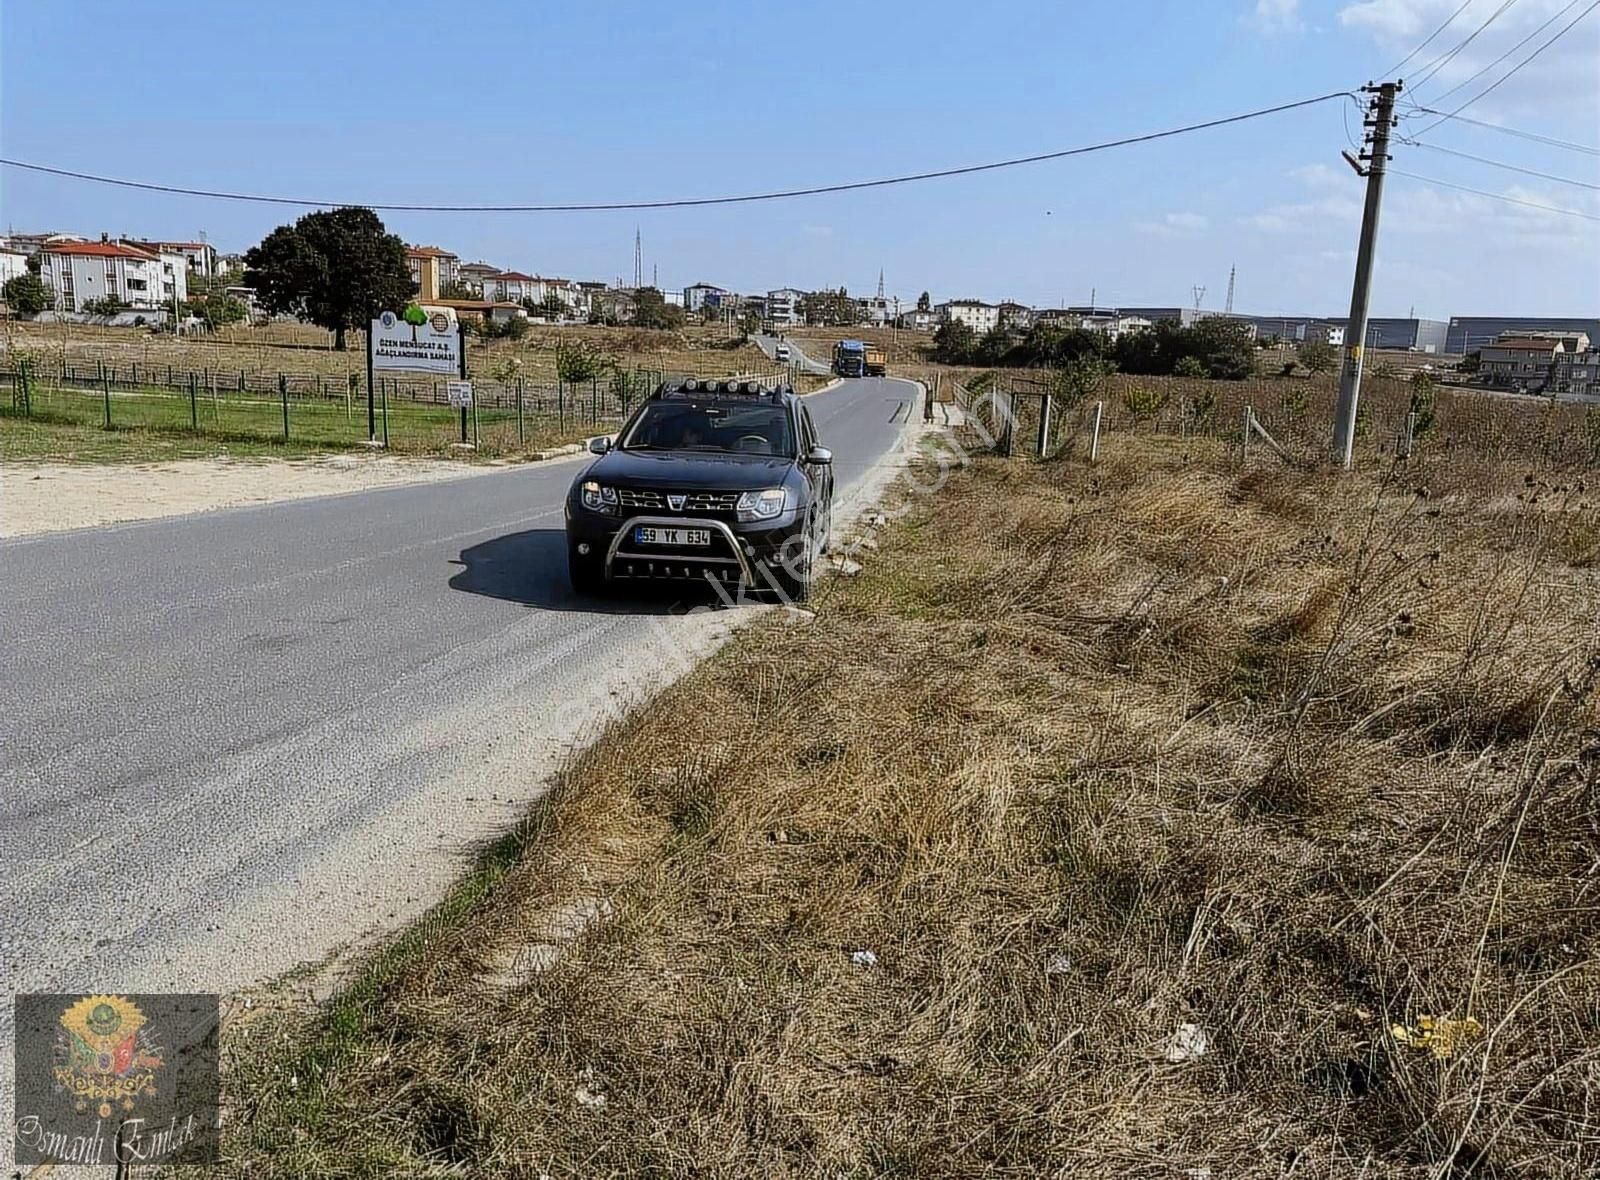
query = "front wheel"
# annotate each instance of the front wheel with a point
(793, 577)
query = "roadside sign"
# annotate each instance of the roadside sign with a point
(432, 345)
(459, 393)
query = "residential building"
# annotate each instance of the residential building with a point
(472, 274)
(230, 264)
(783, 306)
(248, 297)
(1520, 362)
(31, 244)
(919, 320)
(874, 311)
(432, 270)
(512, 286)
(1577, 372)
(697, 297)
(1014, 316)
(199, 257)
(981, 317)
(612, 304)
(81, 273)
(12, 264)
(1470, 333)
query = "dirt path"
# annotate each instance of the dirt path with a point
(47, 497)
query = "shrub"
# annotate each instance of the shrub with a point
(1142, 402)
(1188, 366)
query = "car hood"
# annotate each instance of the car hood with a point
(688, 469)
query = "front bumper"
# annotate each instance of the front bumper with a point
(736, 556)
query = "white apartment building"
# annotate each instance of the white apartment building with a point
(83, 272)
(783, 306)
(974, 313)
(200, 257)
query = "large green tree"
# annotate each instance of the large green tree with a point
(338, 268)
(27, 295)
(832, 309)
(651, 310)
(954, 343)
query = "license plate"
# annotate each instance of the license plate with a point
(646, 534)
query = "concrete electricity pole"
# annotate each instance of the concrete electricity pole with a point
(1380, 120)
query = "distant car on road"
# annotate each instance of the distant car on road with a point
(781, 353)
(709, 479)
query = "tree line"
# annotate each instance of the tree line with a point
(1211, 347)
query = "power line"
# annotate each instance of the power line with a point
(1439, 63)
(1499, 164)
(1478, 192)
(1533, 136)
(1548, 21)
(1395, 69)
(1484, 93)
(600, 206)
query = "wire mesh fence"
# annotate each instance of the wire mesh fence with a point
(1005, 411)
(406, 411)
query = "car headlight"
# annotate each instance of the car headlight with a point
(763, 505)
(596, 497)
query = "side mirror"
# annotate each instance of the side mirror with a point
(819, 455)
(600, 444)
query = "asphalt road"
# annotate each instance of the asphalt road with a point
(797, 355)
(231, 742)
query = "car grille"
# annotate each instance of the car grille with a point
(694, 502)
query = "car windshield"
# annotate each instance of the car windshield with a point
(740, 428)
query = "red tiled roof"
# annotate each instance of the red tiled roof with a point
(515, 276)
(427, 252)
(99, 250)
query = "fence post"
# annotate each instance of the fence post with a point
(349, 398)
(1244, 443)
(520, 435)
(27, 388)
(241, 380)
(1046, 404)
(594, 400)
(105, 389)
(194, 405)
(136, 372)
(561, 404)
(384, 390)
(1411, 433)
(283, 396)
(169, 376)
(1094, 441)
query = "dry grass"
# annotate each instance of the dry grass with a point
(304, 353)
(1085, 755)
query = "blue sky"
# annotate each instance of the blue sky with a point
(530, 102)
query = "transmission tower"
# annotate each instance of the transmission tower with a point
(1199, 295)
(638, 259)
(1228, 308)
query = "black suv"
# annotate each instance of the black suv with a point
(709, 479)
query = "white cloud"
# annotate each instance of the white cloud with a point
(1174, 224)
(1276, 16)
(1390, 19)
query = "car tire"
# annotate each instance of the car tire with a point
(795, 586)
(587, 575)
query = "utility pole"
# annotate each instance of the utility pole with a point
(1380, 119)
(1228, 308)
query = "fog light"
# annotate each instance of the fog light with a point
(583, 549)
